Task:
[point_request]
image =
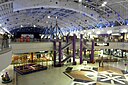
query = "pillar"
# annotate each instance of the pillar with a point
(74, 49)
(92, 52)
(81, 48)
(60, 52)
(54, 48)
(31, 57)
(67, 41)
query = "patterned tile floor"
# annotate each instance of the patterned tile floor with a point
(96, 76)
(106, 75)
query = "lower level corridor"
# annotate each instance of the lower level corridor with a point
(114, 73)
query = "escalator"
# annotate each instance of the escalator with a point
(66, 59)
(66, 46)
(87, 46)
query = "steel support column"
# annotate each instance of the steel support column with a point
(67, 41)
(92, 53)
(60, 53)
(54, 47)
(81, 48)
(74, 49)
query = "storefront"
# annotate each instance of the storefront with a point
(116, 52)
(31, 57)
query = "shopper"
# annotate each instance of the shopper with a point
(101, 61)
(6, 40)
(1, 41)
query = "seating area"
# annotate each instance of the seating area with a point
(29, 68)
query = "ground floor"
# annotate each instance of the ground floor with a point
(112, 73)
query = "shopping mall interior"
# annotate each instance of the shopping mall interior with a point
(63, 42)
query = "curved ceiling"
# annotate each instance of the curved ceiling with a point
(31, 13)
(43, 17)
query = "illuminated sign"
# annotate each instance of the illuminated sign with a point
(101, 44)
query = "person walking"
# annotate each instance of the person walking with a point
(1, 41)
(101, 61)
(6, 40)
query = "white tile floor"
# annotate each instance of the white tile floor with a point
(52, 76)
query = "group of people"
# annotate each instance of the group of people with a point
(5, 42)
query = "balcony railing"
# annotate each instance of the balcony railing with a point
(34, 40)
(111, 40)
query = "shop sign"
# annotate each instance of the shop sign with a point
(101, 44)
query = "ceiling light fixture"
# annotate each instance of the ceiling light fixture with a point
(21, 26)
(98, 32)
(56, 17)
(80, 0)
(123, 30)
(109, 32)
(0, 25)
(104, 3)
(46, 21)
(112, 26)
(48, 16)
(34, 25)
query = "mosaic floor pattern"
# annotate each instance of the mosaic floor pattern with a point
(106, 75)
